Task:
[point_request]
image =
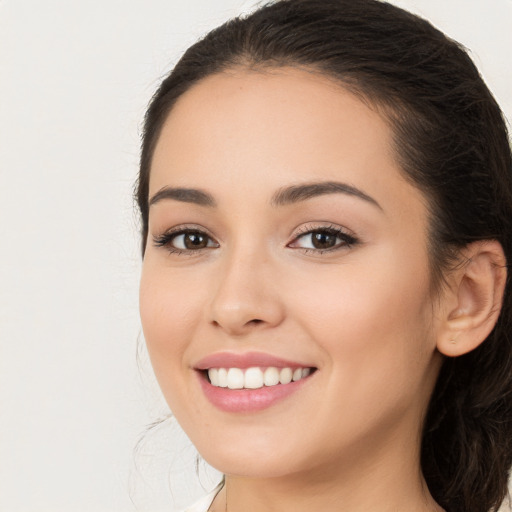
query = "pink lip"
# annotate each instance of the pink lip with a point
(246, 360)
(248, 400)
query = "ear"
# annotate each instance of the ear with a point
(472, 302)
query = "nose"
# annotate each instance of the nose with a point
(247, 296)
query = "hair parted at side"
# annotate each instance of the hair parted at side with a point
(451, 142)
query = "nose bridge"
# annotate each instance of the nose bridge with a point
(246, 294)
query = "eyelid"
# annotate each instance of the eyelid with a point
(322, 226)
(348, 237)
(184, 228)
(164, 239)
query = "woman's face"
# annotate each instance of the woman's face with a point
(283, 240)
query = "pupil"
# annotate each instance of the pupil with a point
(195, 241)
(323, 240)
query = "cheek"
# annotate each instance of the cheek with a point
(372, 321)
(373, 329)
(169, 311)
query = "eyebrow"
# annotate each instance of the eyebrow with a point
(285, 196)
(185, 195)
(298, 193)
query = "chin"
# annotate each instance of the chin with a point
(261, 458)
(251, 467)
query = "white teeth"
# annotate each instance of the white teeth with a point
(255, 378)
(235, 378)
(271, 376)
(223, 378)
(285, 376)
(213, 375)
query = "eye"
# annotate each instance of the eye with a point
(185, 240)
(323, 239)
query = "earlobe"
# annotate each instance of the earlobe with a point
(474, 298)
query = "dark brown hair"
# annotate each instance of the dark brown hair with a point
(451, 142)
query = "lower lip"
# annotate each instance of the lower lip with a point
(248, 400)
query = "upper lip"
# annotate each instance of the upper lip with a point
(246, 360)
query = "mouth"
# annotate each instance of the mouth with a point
(255, 377)
(244, 383)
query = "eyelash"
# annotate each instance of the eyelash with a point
(347, 240)
(166, 239)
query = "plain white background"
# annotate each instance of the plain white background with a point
(75, 78)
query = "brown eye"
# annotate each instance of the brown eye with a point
(190, 240)
(194, 240)
(323, 240)
(185, 240)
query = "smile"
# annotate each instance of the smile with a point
(255, 377)
(250, 382)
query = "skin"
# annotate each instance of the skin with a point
(362, 314)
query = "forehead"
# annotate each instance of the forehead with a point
(252, 130)
(290, 103)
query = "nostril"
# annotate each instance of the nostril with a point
(255, 321)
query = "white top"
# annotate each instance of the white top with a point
(204, 504)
